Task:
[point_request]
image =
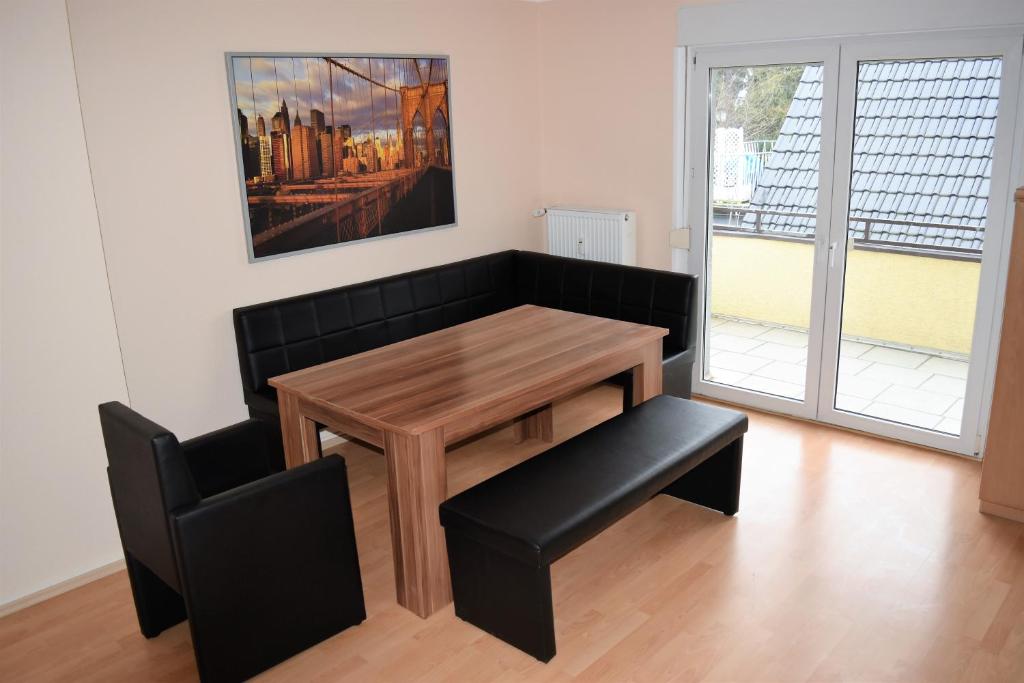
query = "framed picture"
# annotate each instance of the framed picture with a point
(334, 149)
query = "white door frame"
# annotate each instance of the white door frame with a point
(702, 60)
(840, 56)
(965, 44)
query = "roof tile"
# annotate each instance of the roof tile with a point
(923, 142)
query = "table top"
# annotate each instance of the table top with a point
(425, 382)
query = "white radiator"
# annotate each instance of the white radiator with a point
(594, 234)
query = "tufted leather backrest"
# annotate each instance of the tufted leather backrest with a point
(295, 333)
(640, 295)
(302, 331)
(149, 477)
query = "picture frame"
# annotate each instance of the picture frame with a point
(340, 148)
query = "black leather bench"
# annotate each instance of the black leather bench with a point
(504, 533)
(295, 333)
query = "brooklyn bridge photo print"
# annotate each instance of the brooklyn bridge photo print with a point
(333, 149)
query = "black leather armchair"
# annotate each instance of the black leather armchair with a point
(262, 565)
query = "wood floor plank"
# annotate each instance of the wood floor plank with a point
(852, 559)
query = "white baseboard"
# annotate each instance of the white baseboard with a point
(59, 588)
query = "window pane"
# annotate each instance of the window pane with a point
(921, 165)
(764, 157)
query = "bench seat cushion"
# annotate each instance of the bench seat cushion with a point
(543, 508)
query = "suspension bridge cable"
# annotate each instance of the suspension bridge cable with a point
(373, 120)
(295, 87)
(252, 86)
(320, 78)
(309, 89)
(355, 73)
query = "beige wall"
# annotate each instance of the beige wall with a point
(607, 90)
(158, 121)
(58, 346)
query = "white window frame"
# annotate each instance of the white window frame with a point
(840, 57)
(705, 59)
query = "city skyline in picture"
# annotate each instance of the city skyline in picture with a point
(334, 149)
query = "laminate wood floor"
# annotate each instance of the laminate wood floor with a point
(852, 559)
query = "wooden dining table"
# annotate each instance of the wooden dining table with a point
(415, 397)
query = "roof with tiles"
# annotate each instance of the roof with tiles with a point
(924, 133)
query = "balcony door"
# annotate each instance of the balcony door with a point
(848, 204)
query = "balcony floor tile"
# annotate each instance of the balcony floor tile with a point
(902, 415)
(910, 387)
(894, 374)
(904, 359)
(785, 337)
(728, 342)
(946, 366)
(773, 351)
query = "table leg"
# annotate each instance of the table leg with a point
(538, 424)
(647, 376)
(300, 434)
(417, 485)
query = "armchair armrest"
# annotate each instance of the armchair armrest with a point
(231, 456)
(269, 568)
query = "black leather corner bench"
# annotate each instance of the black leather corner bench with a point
(504, 533)
(281, 336)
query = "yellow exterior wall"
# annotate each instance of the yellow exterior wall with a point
(760, 279)
(911, 300)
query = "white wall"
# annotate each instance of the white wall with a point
(58, 346)
(158, 121)
(714, 23)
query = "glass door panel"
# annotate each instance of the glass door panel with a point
(763, 157)
(850, 214)
(921, 167)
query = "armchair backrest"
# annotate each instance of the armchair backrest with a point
(149, 478)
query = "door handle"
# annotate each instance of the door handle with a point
(832, 255)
